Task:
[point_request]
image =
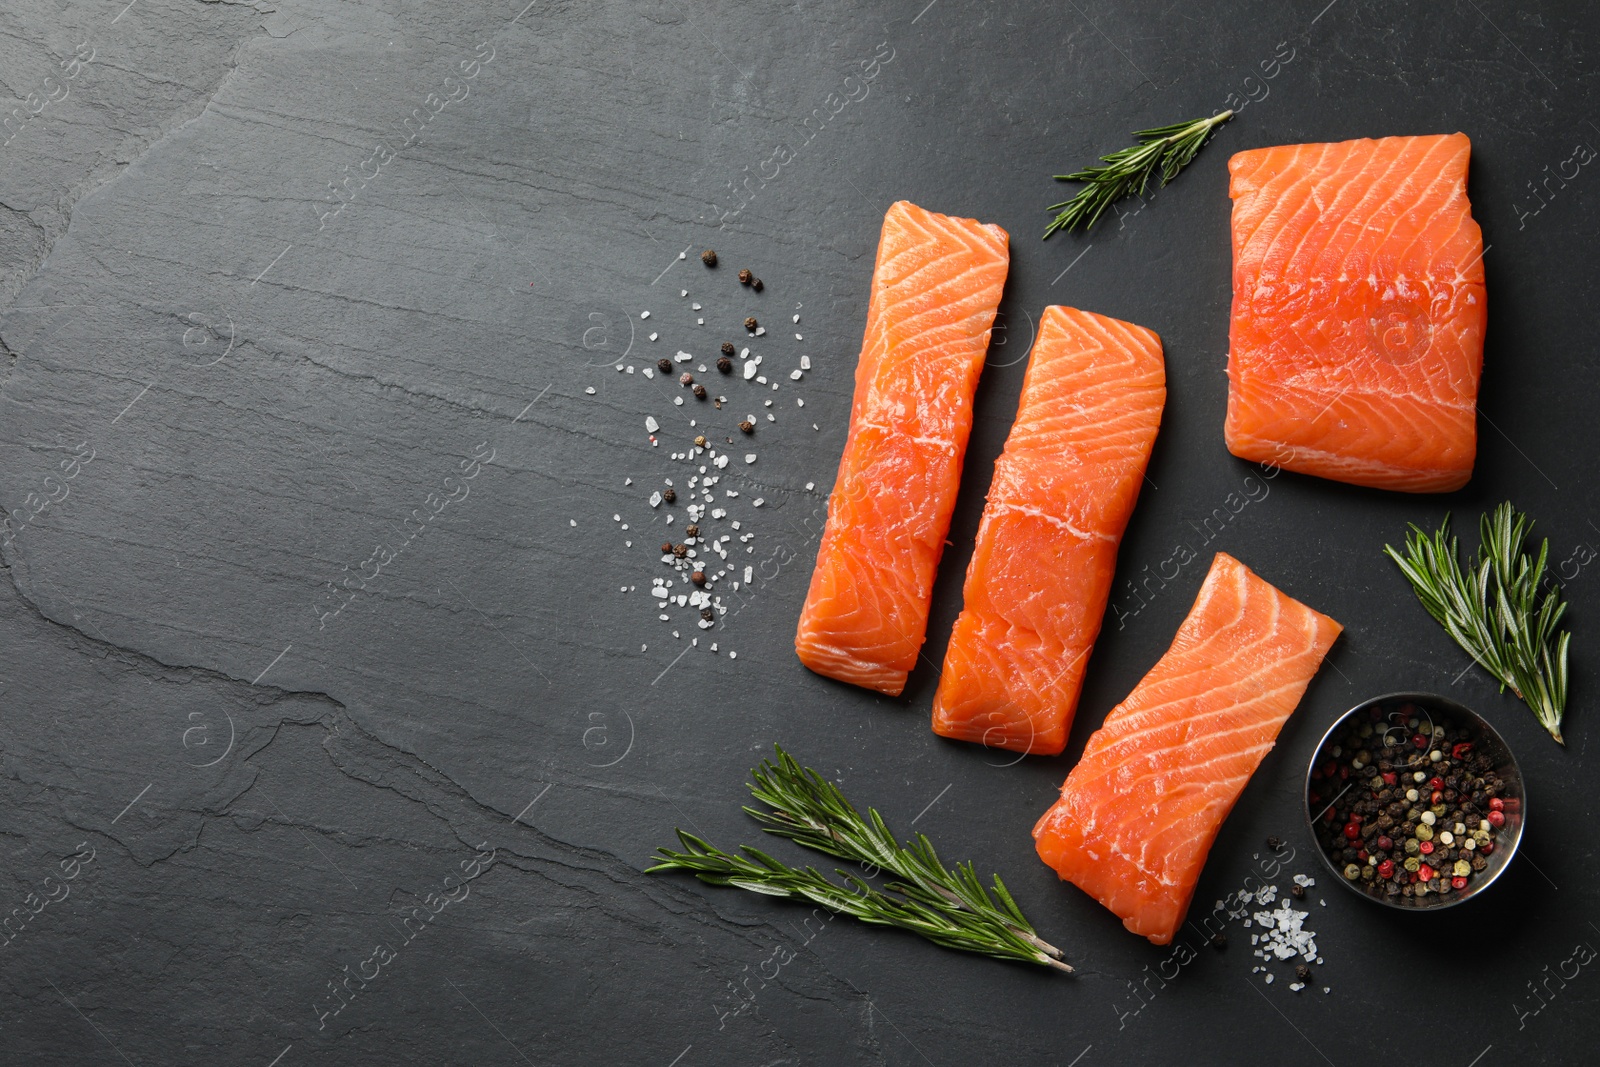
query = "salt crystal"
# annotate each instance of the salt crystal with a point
(619, 368)
(810, 486)
(627, 481)
(771, 417)
(1269, 977)
(616, 518)
(722, 462)
(733, 655)
(655, 500)
(644, 314)
(684, 357)
(653, 335)
(700, 322)
(745, 352)
(665, 618)
(799, 403)
(749, 369)
(683, 292)
(678, 400)
(749, 575)
(572, 522)
(805, 362)
(797, 318)
(756, 503)
(713, 646)
(590, 390)
(749, 457)
(794, 375)
(648, 373)
(695, 306)
(735, 524)
(762, 378)
(630, 370)
(760, 331)
(717, 513)
(797, 337)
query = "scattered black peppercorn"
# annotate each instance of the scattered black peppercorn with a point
(724, 364)
(698, 577)
(1275, 844)
(699, 442)
(727, 348)
(708, 615)
(699, 391)
(718, 402)
(1219, 940)
(692, 530)
(666, 546)
(680, 550)
(747, 426)
(709, 258)
(1297, 891)
(1302, 973)
(745, 277)
(685, 378)
(751, 324)
(669, 494)
(756, 285)
(664, 365)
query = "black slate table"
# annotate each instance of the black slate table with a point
(337, 718)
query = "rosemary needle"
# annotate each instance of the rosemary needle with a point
(1164, 150)
(1494, 609)
(949, 908)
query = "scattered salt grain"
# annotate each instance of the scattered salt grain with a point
(797, 337)
(684, 357)
(749, 369)
(590, 390)
(572, 522)
(721, 462)
(756, 503)
(653, 335)
(733, 655)
(695, 306)
(644, 314)
(678, 400)
(810, 486)
(700, 322)
(797, 318)
(760, 330)
(805, 362)
(749, 575)
(685, 292)
(655, 500)
(648, 373)
(749, 457)
(799, 403)
(794, 375)
(761, 378)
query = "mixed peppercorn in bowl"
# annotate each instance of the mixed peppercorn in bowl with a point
(1414, 801)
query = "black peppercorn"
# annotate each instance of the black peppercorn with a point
(709, 258)
(708, 615)
(1297, 891)
(699, 391)
(1275, 843)
(1219, 940)
(751, 324)
(1303, 973)
(745, 277)
(727, 348)
(699, 442)
(669, 494)
(692, 530)
(756, 285)
(664, 365)
(724, 364)
(680, 550)
(747, 426)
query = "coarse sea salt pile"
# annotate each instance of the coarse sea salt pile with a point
(701, 562)
(1278, 934)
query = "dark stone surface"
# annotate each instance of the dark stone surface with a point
(270, 390)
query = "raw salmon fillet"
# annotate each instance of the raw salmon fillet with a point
(935, 289)
(1358, 311)
(1047, 545)
(1139, 812)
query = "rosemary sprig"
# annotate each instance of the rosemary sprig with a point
(949, 908)
(1495, 611)
(1165, 150)
(811, 811)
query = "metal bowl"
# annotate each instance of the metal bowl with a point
(1488, 739)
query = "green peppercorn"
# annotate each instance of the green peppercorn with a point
(1352, 871)
(1424, 832)
(1413, 864)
